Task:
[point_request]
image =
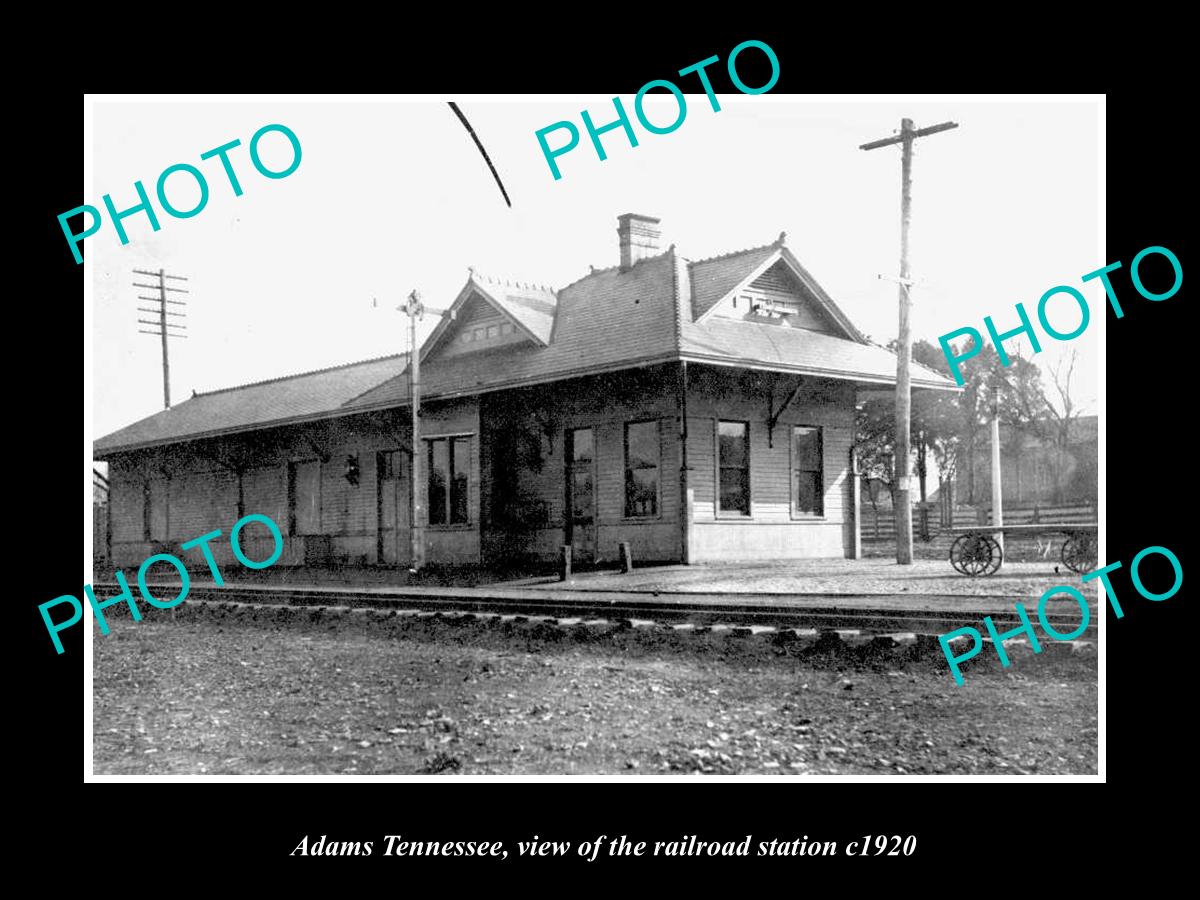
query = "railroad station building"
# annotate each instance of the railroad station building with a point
(700, 410)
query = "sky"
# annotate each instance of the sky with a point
(392, 194)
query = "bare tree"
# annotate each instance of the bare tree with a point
(1062, 420)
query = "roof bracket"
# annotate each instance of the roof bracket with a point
(321, 453)
(236, 468)
(774, 414)
(548, 423)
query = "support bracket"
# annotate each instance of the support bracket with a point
(774, 414)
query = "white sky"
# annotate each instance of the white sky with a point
(393, 195)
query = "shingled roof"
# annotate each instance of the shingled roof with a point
(652, 312)
(278, 401)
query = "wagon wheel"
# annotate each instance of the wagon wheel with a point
(975, 554)
(997, 554)
(1079, 552)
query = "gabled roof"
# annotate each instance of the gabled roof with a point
(606, 320)
(277, 401)
(655, 311)
(529, 307)
(722, 276)
(715, 279)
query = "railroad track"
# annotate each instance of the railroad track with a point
(771, 612)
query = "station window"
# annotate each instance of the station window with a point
(807, 476)
(642, 451)
(449, 480)
(733, 464)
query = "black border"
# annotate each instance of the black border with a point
(961, 825)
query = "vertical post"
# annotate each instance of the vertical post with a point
(903, 512)
(416, 529)
(564, 571)
(904, 547)
(997, 493)
(855, 507)
(685, 505)
(162, 317)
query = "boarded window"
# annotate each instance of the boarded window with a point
(146, 507)
(154, 510)
(733, 461)
(807, 477)
(460, 480)
(642, 449)
(390, 462)
(304, 497)
(449, 481)
(580, 477)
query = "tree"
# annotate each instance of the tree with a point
(1022, 407)
(1062, 422)
(1015, 391)
(875, 447)
(933, 431)
(935, 421)
(937, 426)
(968, 409)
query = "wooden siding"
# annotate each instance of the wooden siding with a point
(717, 396)
(203, 496)
(606, 405)
(778, 285)
(483, 328)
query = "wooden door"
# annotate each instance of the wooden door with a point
(580, 517)
(392, 504)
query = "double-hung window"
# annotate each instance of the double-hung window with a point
(733, 465)
(642, 452)
(449, 480)
(807, 477)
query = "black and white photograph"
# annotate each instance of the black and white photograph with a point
(532, 437)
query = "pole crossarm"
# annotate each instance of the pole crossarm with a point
(903, 503)
(908, 135)
(161, 327)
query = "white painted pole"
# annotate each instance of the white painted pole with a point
(997, 494)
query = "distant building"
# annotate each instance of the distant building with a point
(1038, 471)
(700, 410)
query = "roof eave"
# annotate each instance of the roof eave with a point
(817, 371)
(384, 405)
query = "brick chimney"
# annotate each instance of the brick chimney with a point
(638, 237)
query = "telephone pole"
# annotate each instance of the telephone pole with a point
(415, 309)
(903, 510)
(161, 323)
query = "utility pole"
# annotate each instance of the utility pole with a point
(904, 550)
(997, 492)
(414, 309)
(161, 323)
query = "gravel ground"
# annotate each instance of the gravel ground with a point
(201, 694)
(1020, 580)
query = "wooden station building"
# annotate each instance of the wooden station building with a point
(701, 410)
